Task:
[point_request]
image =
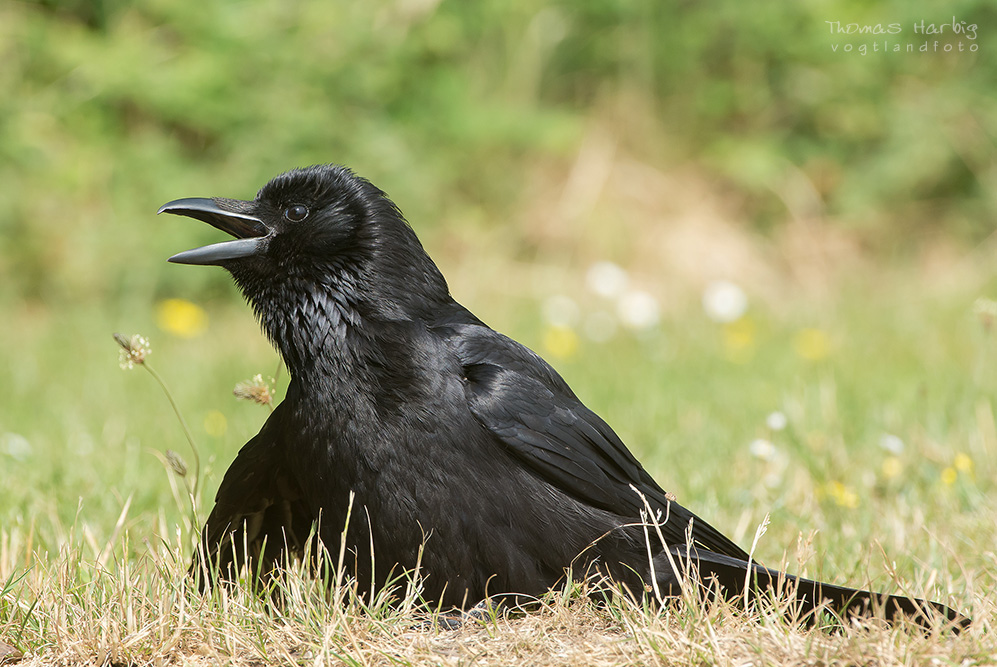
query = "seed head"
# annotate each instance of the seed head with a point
(986, 312)
(176, 462)
(255, 390)
(133, 351)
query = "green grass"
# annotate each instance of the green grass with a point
(97, 526)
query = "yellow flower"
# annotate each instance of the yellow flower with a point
(215, 424)
(842, 495)
(949, 475)
(963, 463)
(892, 467)
(739, 340)
(561, 342)
(181, 318)
(812, 344)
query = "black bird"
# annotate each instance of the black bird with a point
(465, 452)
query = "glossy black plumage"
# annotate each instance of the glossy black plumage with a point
(450, 435)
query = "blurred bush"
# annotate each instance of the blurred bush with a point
(109, 108)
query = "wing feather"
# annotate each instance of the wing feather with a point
(259, 511)
(529, 408)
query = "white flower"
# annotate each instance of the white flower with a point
(984, 306)
(891, 443)
(638, 310)
(607, 279)
(724, 301)
(15, 445)
(561, 311)
(762, 449)
(600, 326)
(776, 421)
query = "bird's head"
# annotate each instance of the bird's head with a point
(318, 230)
(318, 253)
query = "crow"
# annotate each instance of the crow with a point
(438, 443)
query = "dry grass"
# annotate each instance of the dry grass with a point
(90, 605)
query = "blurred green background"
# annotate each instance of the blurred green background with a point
(849, 197)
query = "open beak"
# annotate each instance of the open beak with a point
(249, 231)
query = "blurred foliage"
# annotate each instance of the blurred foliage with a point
(109, 108)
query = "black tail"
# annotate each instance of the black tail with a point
(809, 597)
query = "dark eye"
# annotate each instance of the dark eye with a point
(295, 213)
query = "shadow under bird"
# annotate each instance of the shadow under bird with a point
(467, 454)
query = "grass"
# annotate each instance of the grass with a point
(95, 529)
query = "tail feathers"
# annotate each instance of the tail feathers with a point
(810, 597)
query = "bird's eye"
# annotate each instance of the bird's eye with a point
(295, 213)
